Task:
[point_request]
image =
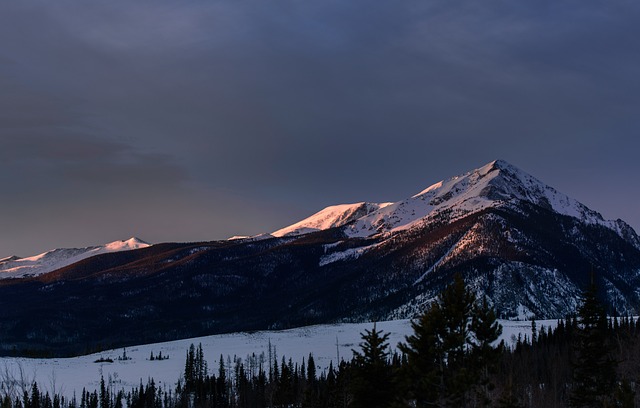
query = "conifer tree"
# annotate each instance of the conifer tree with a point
(311, 369)
(310, 397)
(424, 349)
(451, 340)
(486, 330)
(104, 394)
(189, 368)
(222, 395)
(372, 382)
(458, 302)
(34, 401)
(594, 374)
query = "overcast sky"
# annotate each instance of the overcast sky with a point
(198, 120)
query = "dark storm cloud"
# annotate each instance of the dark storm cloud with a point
(289, 106)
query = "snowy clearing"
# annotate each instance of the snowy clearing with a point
(328, 343)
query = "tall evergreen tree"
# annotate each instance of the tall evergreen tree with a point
(425, 358)
(458, 303)
(451, 340)
(372, 382)
(486, 330)
(222, 395)
(594, 374)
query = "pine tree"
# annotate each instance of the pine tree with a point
(311, 369)
(34, 401)
(594, 374)
(424, 349)
(486, 330)
(452, 341)
(104, 394)
(200, 368)
(222, 395)
(372, 383)
(189, 368)
(310, 397)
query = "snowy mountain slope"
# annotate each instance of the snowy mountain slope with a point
(330, 217)
(496, 184)
(529, 249)
(16, 267)
(326, 342)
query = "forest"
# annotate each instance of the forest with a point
(450, 360)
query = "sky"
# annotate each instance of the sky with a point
(198, 120)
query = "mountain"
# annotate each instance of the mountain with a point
(495, 185)
(525, 246)
(16, 267)
(330, 217)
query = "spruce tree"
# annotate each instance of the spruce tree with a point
(486, 330)
(372, 382)
(222, 395)
(594, 374)
(189, 368)
(452, 342)
(458, 303)
(424, 372)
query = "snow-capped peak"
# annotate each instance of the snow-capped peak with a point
(495, 184)
(330, 217)
(15, 267)
(125, 245)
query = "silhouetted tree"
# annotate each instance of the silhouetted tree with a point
(372, 384)
(594, 374)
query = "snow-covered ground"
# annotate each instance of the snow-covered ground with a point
(326, 342)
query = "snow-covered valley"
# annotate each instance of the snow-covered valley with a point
(328, 343)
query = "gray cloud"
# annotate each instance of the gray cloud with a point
(281, 108)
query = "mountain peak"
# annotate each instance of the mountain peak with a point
(501, 164)
(496, 184)
(15, 267)
(330, 217)
(492, 166)
(136, 241)
(503, 167)
(131, 243)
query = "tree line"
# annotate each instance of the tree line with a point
(452, 359)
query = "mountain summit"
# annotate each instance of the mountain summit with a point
(525, 247)
(16, 267)
(497, 184)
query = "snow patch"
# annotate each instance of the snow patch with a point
(351, 253)
(330, 217)
(258, 237)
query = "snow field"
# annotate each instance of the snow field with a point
(328, 343)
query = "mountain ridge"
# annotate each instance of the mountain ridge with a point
(496, 183)
(526, 248)
(49, 261)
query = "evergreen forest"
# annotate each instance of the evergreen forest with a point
(452, 359)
